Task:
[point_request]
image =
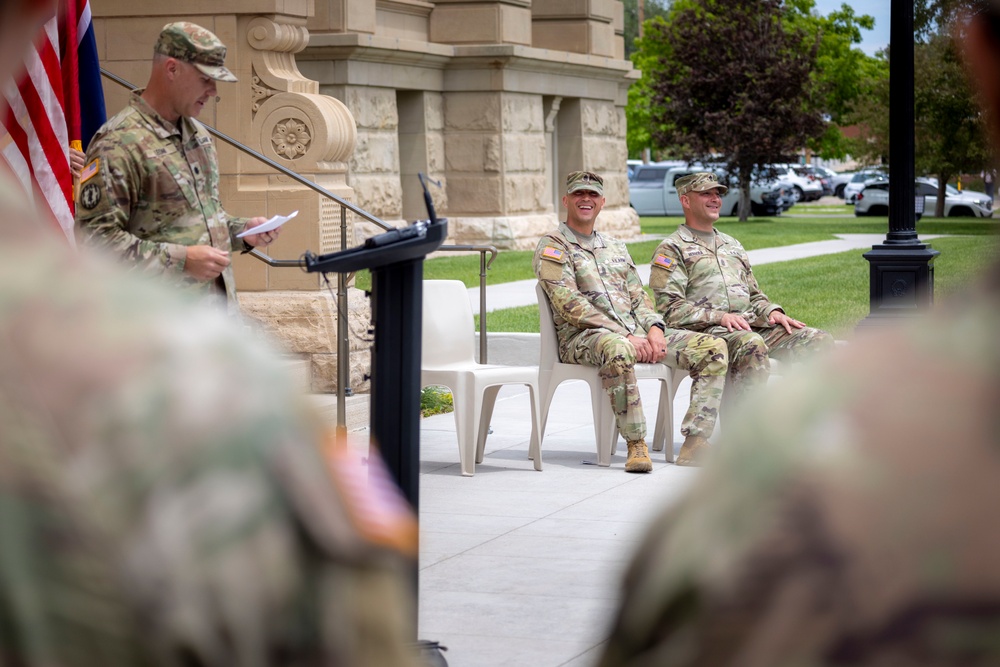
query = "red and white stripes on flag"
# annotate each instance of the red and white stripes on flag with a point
(43, 113)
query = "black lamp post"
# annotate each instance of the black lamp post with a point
(902, 268)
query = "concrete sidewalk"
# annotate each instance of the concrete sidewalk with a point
(519, 567)
(522, 292)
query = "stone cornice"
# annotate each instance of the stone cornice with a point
(371, 48)
(189, 9)
(414, 7)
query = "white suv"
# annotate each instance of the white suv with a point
(859, 181)
(874, 200)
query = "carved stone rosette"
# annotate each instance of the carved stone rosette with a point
(296, 126)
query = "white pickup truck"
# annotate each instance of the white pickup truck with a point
(652, 192)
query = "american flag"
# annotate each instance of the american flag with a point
(56, 102)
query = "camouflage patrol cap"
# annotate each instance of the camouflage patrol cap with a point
(584, 180)
(193, 44)
(699, 182)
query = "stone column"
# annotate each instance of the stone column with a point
(594, 131)
(495, 159)
(313, 135)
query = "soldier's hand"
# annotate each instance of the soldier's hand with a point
(643, 350)
(735, 321)
(257, 240)
(778, 317)
(77, 161)
(205, 262)
(657, 343)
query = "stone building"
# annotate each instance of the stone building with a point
(495, 99)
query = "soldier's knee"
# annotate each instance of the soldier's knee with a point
(618, 353)
(715, 358)
(751, 343)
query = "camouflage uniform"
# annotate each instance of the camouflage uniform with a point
(850, 520)
(151, 187)
(597, 300)
(164, 499)
(696, 284)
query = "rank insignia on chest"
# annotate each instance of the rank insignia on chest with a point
(664, 262)
(90, 170)
(553, 253)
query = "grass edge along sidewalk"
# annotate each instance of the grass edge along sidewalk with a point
(830, 291)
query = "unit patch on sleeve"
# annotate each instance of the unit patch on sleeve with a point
(90, 196)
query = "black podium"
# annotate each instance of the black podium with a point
(396, 262)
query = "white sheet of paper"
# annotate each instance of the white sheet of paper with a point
(273, 223)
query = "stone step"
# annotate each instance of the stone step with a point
(301, 370)
(357, 408)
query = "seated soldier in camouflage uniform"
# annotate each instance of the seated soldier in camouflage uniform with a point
(604, 318)
(150, 191)
(702, 281)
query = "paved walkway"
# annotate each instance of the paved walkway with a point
(522, 292)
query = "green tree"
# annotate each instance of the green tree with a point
(950, 136)
(731, 80)
(841, 67)
(650, 9)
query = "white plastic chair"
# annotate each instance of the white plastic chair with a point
(448, 359)
(552, 373)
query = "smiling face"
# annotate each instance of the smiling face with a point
(582, 208)
(702, 209)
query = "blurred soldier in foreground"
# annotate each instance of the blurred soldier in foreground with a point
(702, 281)
(165, 497)
(604, 318)
(851, 518)
(150, 190)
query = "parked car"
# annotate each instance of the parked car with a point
(858, 181)
(813, 173)
(631, 165)
(803, 187)
(874, 200)
(840, 179)
(652, 191)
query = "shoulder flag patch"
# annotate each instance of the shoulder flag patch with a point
(90, 170)
(664, 262)
(553, 253)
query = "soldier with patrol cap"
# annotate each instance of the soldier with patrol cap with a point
(604, 318)
(702, 281)
(150, 190)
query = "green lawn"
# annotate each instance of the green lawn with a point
(828, 291)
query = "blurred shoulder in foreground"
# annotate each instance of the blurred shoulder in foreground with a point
(861, 532)
(165, 497)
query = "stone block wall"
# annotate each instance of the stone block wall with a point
(481, 22)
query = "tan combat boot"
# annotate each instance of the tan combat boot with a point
(638, 457)
(692, 451)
